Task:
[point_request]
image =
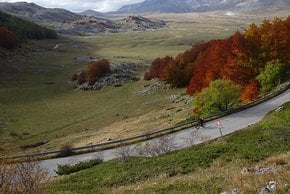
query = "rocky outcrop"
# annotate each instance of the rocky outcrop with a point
(120, 74)
(139, 23)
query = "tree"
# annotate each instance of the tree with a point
(97, 69)
(7, 39)
(273, 72)
(218, 97)
(250, 91)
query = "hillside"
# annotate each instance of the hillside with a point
(37, 13)
(85, 23)
(238, 162)
(184, 6)
(25, 29)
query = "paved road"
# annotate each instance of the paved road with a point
(230, 124)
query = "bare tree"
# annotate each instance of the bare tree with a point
(163, 145)
(196, 136)
(23, 177)
(123, 153)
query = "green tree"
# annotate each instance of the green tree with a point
(218, 97)
(273, 72)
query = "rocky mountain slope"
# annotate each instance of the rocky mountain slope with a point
(86, 23)
(183, 6)
(34, 12)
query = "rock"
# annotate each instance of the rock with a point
(270, 188)
(247, 170)
(234, 191)
(265, 170)
(119, 75)
(154, 86)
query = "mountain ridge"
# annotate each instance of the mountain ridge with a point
(185, 6)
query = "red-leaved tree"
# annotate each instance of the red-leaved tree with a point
(7, 39)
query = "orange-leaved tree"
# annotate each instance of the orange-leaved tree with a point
(7, 38)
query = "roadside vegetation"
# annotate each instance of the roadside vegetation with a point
(197, 169)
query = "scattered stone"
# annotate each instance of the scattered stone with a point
(265, 170)
(270, 188)
(234, 191)
(154, 86)
(279, 109)
(180, 98)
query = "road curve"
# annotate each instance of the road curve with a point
(230, 124)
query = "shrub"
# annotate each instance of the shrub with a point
(66, 150)
(97, 69)
(69, 169)
(7, 39)
(82, 77)
(13, 134)
(74, 77)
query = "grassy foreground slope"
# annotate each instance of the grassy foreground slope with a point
(205, 168)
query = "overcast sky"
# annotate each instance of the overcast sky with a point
(81, 5)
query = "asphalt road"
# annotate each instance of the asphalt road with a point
(182, 139)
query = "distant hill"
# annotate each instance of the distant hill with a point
(139, 23)
(37, 13)
(86, 23)
(24, 29)
(183, 6)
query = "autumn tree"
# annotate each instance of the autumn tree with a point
(250, 91)
(157, 67)
(7, 38)
(220, 96)
(239, 58)
(208, 65)
(81, 77)
(97, 69)
(271, 75)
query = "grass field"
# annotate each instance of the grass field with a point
(209, 168)
(38, 105)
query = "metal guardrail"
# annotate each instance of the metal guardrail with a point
(158, 132)
(118, 141)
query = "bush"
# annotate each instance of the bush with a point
(97, 69)
(66, 150)
(74, 77)
(69, 169)
(7, 39)
(82, 77)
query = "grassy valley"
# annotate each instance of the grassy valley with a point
(39, 105)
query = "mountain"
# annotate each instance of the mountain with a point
(34, 12)
(24, 29)
(93, 13)
(183, 6)
(86, 23)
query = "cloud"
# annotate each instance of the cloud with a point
(80, 5)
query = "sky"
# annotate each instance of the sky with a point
(81, 5)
